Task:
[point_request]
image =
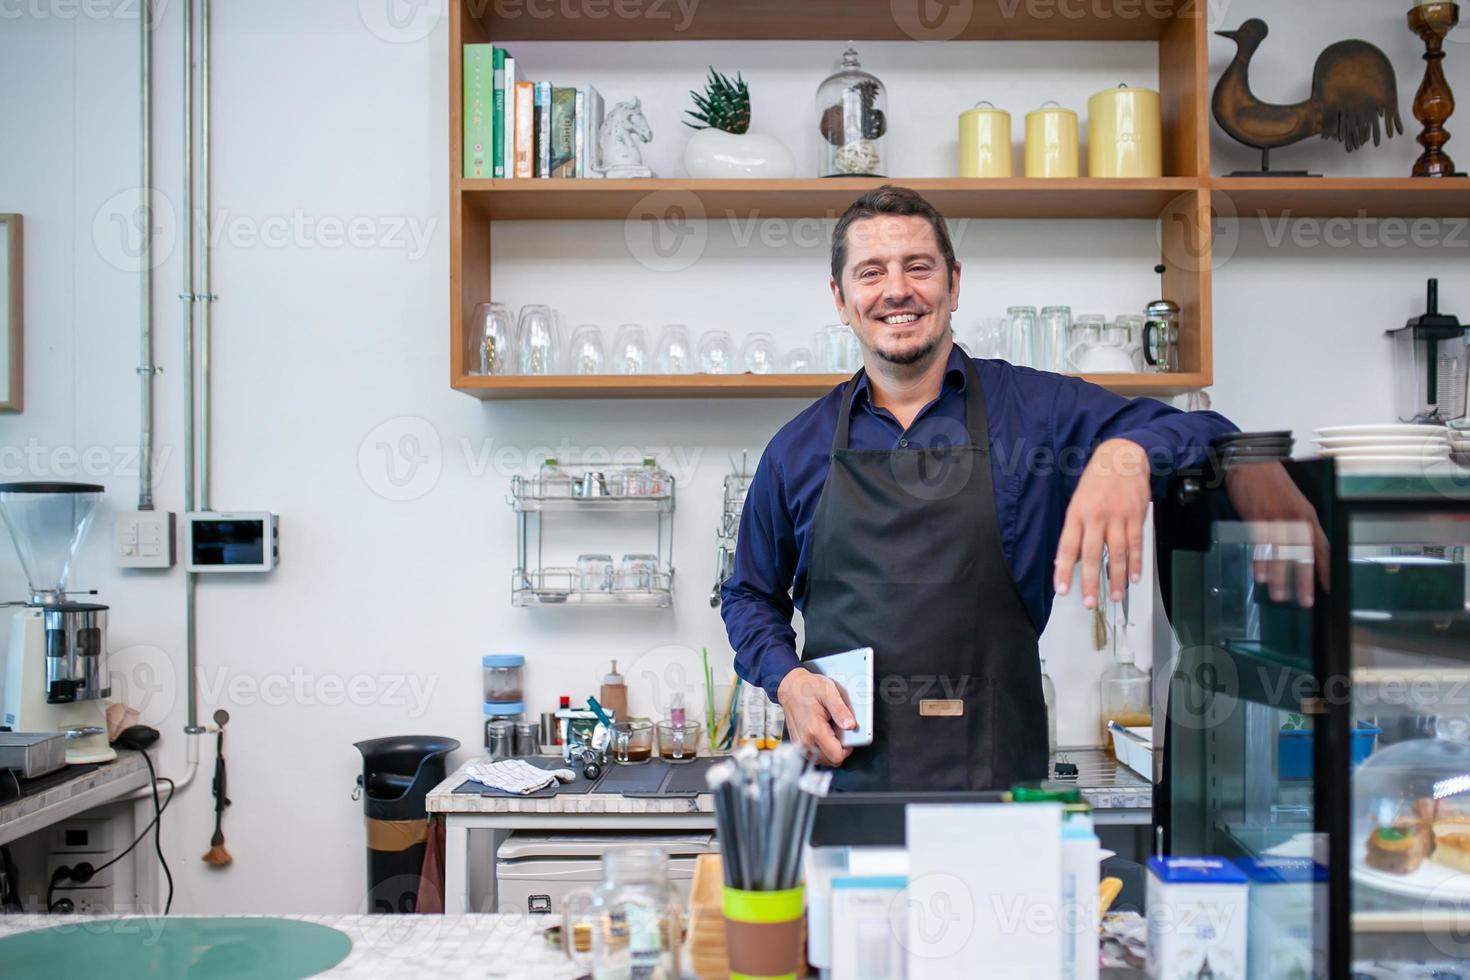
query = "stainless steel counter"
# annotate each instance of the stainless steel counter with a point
(1117, 794)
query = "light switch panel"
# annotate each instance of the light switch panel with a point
(144, 539)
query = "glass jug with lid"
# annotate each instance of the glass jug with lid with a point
(630, 925)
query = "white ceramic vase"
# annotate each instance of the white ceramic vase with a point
(716, 153)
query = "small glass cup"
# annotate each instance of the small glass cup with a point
(538, 339)
(630, 350)
(675, 351)
(678, 742)
(798, 360)
(594, 573)
(632, 742)
(491, 340)
(586, 351)
(716, 353)
(1021, 336)
(758, 356)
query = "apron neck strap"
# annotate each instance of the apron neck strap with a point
(976, 417)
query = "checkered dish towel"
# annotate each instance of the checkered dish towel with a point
(516, 775)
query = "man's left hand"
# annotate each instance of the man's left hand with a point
(1108, 509)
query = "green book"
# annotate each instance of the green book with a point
(497, 137)
(479, 110)
(563, 132)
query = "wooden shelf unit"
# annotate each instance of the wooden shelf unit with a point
(748, 385)
(1183, 202)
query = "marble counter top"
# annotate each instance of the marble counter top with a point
(1104, 783)
(389, 947)
(443, 799)
(103, 785)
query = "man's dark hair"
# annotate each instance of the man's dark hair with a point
(888, 199)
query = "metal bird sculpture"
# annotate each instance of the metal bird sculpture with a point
(1353, 85)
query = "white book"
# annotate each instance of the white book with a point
(593, 124)
(579, 127)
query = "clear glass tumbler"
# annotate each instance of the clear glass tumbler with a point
(1021, 336)
(587, 350)
(1056, 322)
(491, 340)
(630, 350)
(537, 339)
(716, 353)
(675, 350)
(758, 356)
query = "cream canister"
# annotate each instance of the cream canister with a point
(1051, 142)
(985, 141)
(1124, 135)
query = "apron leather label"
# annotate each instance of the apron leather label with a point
(934, 708)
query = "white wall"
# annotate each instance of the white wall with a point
(331, 395)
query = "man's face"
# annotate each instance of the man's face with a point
(896, 293)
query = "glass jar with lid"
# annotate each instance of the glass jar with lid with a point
(852, 118)
(553, 480)
(503, 677)
(629, 926)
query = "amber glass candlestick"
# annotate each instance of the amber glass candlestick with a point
(1434, 103)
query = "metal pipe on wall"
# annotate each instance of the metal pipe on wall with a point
(146, 368)
(206, 296)
(190, 408)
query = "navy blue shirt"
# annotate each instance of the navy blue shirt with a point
(1043, 428)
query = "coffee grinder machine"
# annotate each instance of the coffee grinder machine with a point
(56, 666)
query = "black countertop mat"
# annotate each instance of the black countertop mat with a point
(575, 787)
(643, 780)
(687, 779)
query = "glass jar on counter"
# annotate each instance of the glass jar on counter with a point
(502, 673)
(645, 480)
(678, 741)
(852, 118)
(637, 573)
(629, 926)
(1127, 697)
(552, 480)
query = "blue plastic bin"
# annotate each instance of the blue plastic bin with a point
(1294, 750)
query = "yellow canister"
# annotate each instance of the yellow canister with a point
(1051, 142)
(985, 142)
(1124, 136)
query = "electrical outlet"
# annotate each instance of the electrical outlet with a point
(86, 901)
(144, 539)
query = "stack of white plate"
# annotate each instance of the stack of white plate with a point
(1459, 433)
(1404, 448)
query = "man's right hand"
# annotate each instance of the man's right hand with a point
(816, 713)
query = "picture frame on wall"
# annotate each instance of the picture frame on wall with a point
(12, 346)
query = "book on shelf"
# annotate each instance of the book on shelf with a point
(543, 129)
(479, 110)
(589, 121)
(563, 124)
(497, 130)
(525, 129)
(508, 127)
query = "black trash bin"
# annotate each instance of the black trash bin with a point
(397, 774)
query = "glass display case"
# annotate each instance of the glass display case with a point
(1316, 707)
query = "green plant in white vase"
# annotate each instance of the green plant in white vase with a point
(722, 144)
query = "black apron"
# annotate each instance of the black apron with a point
(907, 559)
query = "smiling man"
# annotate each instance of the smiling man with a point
(929, 508)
